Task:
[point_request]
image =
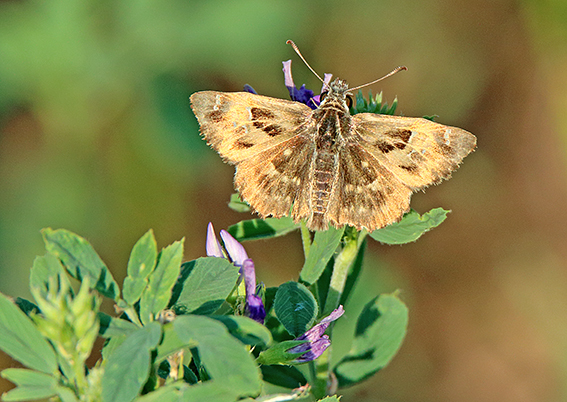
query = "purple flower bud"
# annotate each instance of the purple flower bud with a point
(312, 349)
(318, 342)
(248, 88)
(212, 245)
(302, 94)
(234, 249)
(254, 306)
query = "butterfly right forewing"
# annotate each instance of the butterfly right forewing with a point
(239, 125)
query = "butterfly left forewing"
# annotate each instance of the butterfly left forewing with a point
(239, 125)
(417, 151)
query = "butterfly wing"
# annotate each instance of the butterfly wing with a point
(385, 159)
(270, 142)
(239, 125)
(367, 195)
(418, 152)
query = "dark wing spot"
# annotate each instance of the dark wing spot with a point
(400, 145)
(242, 144)
(446, 149)
(272, 130)
(261, 114)
(402, 134)
(379, 198)
(215, 116)
(384, 147)
(258, 124)
(410, 168)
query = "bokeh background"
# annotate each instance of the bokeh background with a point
(96, 136)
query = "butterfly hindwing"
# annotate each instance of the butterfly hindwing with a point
(277, 178)
(367, 193)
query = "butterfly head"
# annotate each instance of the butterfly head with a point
(336, 92)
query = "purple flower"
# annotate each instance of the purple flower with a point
(302, 94)
(237, 254)
(318, 342)
(254, 306)
(235, 251)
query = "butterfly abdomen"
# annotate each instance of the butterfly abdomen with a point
(324, 173)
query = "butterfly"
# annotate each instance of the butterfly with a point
(326, 166)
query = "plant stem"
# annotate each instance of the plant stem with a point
(343, 262)
(305, 239)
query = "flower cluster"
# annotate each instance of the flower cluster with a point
(318, 342)
(235, 252)
(301, 94)
(238, 256)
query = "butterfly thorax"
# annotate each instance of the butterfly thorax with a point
(333, 122)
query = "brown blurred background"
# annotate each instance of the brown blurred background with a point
(96, 136)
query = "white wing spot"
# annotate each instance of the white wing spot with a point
(288, 152)
(446, 136)
(217, 102)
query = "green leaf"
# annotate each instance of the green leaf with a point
(295, 307)
(322, 249)
(66, 394)
(283, 376)
(411, 227)
(255, 229)
(113, 326)
(167, 393)
(22, 341)
(278, 354)
(26, 306)
(158, 292)
(204, 285)
(246, 330)
(44, 268)
(81, 260)
(237, 204)
(332, 398)
(140, 265)
(230, 366)
(30, 384)
(380, 330)
(127, 368)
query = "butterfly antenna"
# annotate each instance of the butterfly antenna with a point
(294, 46)
(394, 71)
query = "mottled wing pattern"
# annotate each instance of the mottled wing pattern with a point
(385, 159)
(270, 142)
(273, 180)
(367, 194)
(239, 125)
(416, 151)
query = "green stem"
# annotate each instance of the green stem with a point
(343, 262)
(305, 239)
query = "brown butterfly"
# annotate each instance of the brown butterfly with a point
(324, 165)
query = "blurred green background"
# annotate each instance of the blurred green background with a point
(96, 136)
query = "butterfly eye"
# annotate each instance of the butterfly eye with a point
(323, 96)
(349, 101)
